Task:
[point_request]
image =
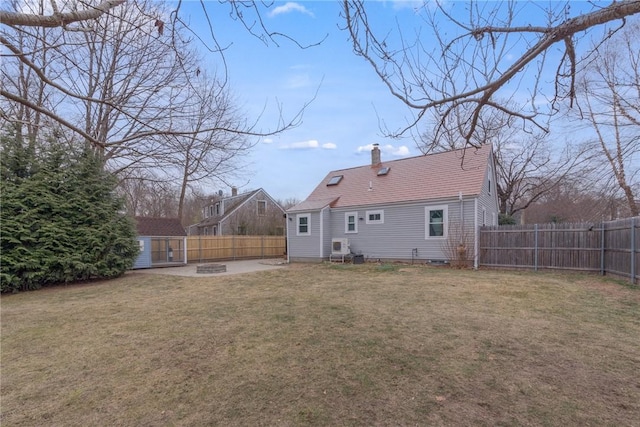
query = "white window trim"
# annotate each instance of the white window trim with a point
(308, 216)
(346, 222)
(381, 221)
(445, 222)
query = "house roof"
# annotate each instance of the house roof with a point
(164, 227)
(312, 205)
(230, 204)
(433, 176)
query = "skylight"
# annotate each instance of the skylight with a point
(384, 171)
(334, 180)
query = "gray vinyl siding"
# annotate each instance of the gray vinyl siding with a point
(305, 248)
(488, 200)
(403, 230)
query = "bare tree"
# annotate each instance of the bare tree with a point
(213, 155)
(464, 66)
(576, 200)
(528, 165)
(113, 70)
(529, 169)
(611, 92)
(82, 12)
(148, 196)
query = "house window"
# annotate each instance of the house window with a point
(242, 230)
(217, 209)
(489, 179)
(304, 226)
(437, 221)
(262, 207)
(215, 230)
(375, 217)
(484, 217)
(351, 222)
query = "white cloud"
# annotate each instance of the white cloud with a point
(366, 148)
(310, 144)
(298, 81)
(401, 151)
(267, 141)
(414, 5)
(302, 145)
(290, 7)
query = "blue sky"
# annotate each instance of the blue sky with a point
(341, 123)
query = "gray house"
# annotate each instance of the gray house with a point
(253, 213)
(423, 209)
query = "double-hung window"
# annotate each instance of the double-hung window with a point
(436, 222)
(303, 222)
(351, 222)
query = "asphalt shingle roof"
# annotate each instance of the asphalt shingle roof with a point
(159, 227)
(433, 176)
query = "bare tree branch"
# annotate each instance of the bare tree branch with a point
(58, 19)
(408, 72)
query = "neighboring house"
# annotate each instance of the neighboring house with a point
(163, 242)
(254, 213)
(423, 208)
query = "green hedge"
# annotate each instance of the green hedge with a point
(61, 220)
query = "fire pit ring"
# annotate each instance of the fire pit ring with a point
(211, 268)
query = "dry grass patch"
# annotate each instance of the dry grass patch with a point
(325, 345)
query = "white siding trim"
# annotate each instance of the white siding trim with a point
(445, 221)
(346, 222)
(476, 242)
(377, 211)
(321, 240)
(303, 215)
(286, 218)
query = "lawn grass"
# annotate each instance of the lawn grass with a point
(353, 345)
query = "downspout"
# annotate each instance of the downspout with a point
(286, 236)
(461, 218)
(475, 233)
(321, 235)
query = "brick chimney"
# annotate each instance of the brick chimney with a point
(234, 191)
(375, 155)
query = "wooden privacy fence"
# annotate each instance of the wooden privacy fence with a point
(219, 248)
(611, 247)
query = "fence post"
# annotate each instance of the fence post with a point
(233, 246)
(261, 246)
(535, 253)
(633, 250)
(602, 237)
